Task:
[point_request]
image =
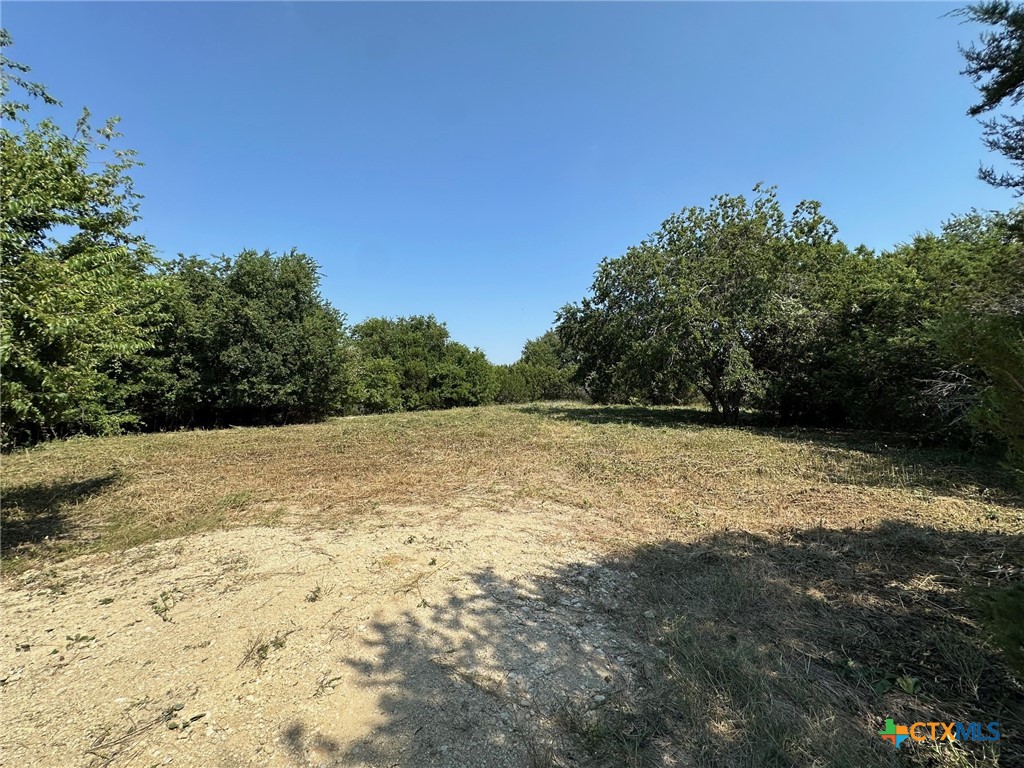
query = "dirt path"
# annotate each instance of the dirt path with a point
(415, 638)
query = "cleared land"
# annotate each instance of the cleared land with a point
(507, 586)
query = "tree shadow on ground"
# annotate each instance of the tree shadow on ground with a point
(32, 514)
(733, 649)
(304, 747)
(660, 417)
(860, 457)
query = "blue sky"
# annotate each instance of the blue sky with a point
(476, 160)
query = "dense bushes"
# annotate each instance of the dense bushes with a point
(544, 371)
(982, 335)
(249, 341)
(410, 363)
(524, 383)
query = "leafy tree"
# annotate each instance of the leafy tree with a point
(413, 346)
(545, 371)
(463, 377)
(525, 383)
(76, 302)
(693, 306)
(379, 385)
(430, 369)
(513, 384)
(753, 308)
(252, 342)
(982, 331)
(547, 350)
(997, 67)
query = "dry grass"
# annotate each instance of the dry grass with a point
(804, 584)
(790, 648)
(644, 470)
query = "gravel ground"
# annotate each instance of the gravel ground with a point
(448, 637)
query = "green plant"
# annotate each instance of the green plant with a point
(78, 640)
(78, 307)
(162, 605)
(257, 650)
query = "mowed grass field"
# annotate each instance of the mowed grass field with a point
(796, 588)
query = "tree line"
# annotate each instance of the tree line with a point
(98, 336)
(747, 308)
(737, 303)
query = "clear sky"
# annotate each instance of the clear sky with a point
(476, 160)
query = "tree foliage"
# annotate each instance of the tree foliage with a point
(411, 363)
(981, 333)
(754, 309)
(546, 370)
(695, 305)
(76, 302)
(996, 66)
(251, 342)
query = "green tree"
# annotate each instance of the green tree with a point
(997, 67)
(981, 331)
(379, 385)
(414, 346)
(545, 371)
(693, 306)
(252, 342)
(431, 370)
(77, 305)
(463, 377)
(547, 350)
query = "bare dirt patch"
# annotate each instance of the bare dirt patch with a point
(429, 640)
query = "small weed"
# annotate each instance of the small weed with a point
(908, 684)
(433, 561)
(325, 684)
(233, 501)
(163, 604)
(106, 600)
(539, 754)
(78, 641)
(255, 653)
(314, 594)
(54, 582)
(258, 649)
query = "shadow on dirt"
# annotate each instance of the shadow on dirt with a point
(732, 649)
(33, 513)
(306, 748)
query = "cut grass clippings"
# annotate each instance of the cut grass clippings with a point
(804, 585)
